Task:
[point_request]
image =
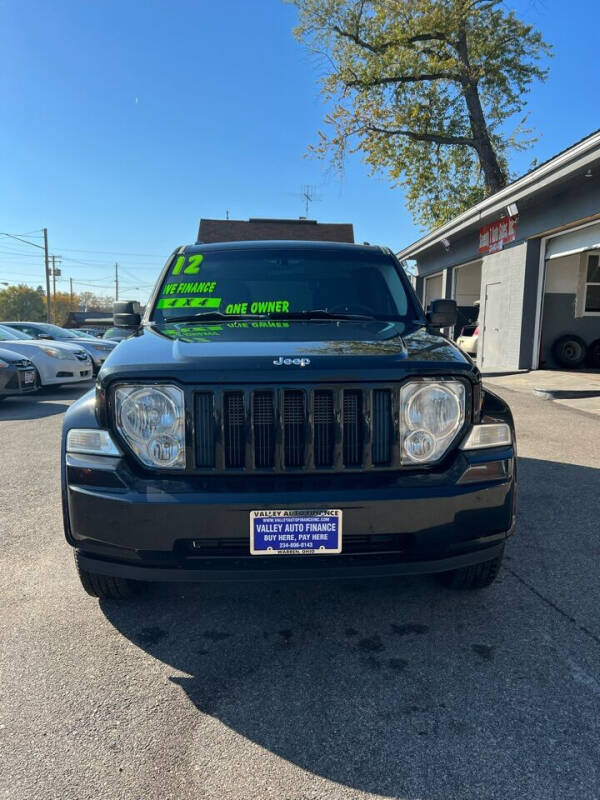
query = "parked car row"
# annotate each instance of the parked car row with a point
(38, 354)
(97, 349)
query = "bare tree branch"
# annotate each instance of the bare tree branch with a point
(432, 76)
(437, 138)
(381, 48)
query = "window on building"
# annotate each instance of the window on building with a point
(591, 288)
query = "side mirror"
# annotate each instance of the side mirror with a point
(442, 313)
(126, 314)
(44, 336)
(127, 320)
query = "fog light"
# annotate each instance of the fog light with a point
(419, 445)
(164, 450)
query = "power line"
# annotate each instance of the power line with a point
(37, 234)
(112, 252)
(33, 244)
(9, 255)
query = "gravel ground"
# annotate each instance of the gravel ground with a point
(312, 691)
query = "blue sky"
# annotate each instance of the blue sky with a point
(123, 122)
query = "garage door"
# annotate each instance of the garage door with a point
(586, 238)
(433, 289)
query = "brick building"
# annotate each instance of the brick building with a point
(237, 230)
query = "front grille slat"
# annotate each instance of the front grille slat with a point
(205, 430)
(294, 419)
(353, 428)
(235, 429)
(382, 426)
(263, 426)
(323, 427)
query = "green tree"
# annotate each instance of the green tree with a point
(424, 90)
(61, 305)
(22, 303)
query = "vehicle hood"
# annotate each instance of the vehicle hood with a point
(87, 344)
(11, 356)
(242, 351)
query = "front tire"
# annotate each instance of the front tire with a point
(106, 586)
(476, 576)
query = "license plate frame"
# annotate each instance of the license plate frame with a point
(305, 531)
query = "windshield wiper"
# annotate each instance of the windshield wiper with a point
(317, 313)
(209, 316)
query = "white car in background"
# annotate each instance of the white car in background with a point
(97, 349)
(467, 341)
(56, 362)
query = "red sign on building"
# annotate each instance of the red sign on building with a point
(494, 236)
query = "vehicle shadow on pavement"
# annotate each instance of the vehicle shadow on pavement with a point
(400, 688)
(44, 403)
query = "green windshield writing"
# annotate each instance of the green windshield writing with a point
(192, 266)
(189, 288)
(188, 302)
(259, 307)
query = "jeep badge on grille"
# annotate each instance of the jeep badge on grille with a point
(287, 362)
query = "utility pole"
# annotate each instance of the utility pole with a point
(47, 274)
(54, 280)
(116, 281)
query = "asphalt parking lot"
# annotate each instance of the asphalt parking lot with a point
(305, 691)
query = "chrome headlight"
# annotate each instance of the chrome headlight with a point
(54, 352)
(431, 414)
(152, 421)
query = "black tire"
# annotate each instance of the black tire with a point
(106, 586)
(593, 354)
(477, 576)
(569, 351)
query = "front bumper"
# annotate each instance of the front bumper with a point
(65, 371)
(12, 380)
(197, 528)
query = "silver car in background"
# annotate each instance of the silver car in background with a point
(98, 349)
(55, 362)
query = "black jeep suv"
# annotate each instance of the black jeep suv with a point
(286, 399)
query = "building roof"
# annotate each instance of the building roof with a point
(578, 156)
(95, 316)
(235, 230)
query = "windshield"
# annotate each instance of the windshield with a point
(114, 333)
(81, 334)
(55, 331)
(8, 335)
(282, 282)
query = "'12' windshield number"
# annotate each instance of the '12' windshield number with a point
(193, 265)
